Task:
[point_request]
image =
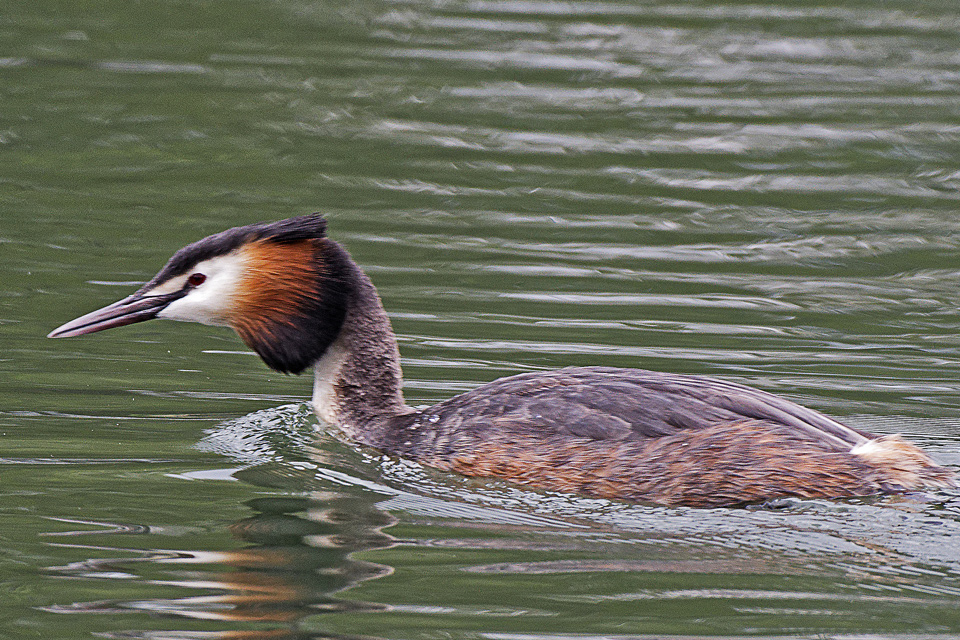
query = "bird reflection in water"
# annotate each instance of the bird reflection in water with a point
(298, 559)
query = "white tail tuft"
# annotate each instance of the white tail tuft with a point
(903, 463)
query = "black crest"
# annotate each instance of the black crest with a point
(312, 226)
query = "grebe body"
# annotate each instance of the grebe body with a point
(297, 298)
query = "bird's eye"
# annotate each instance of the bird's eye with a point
(196, 279)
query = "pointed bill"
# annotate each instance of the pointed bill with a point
(135, 308)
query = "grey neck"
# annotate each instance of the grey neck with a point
(358, 382)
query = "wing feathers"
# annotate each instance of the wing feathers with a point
(602, 403)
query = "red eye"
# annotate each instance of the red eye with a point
(196, 279)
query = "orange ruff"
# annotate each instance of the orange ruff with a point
(279, 280)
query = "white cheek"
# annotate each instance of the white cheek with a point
(198, 306)
(210, 303)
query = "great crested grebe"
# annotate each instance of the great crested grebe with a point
(298, 299)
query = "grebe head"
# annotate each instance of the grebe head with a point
(281, 286)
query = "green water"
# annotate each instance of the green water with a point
(762, 192)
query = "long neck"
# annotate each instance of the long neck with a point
(358, 380)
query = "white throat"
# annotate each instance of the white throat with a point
(326, 403)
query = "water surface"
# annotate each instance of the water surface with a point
(764, 193)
